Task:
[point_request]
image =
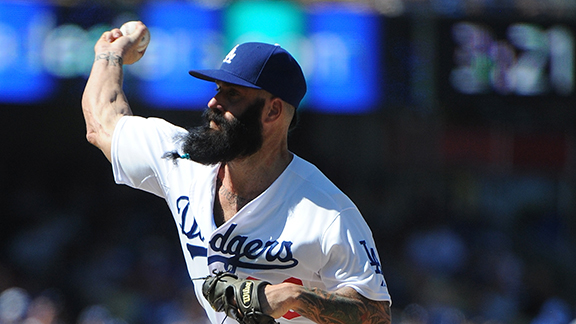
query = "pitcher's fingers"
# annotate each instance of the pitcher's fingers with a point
(115, 33)
(112, 35)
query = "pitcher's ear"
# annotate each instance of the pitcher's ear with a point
(274, 109)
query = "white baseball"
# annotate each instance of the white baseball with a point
(129, 27)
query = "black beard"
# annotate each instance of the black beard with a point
(237, 138)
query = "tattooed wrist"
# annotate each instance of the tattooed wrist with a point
(111, 57)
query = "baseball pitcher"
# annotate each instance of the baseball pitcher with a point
(266, 236)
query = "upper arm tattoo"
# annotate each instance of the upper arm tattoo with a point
(325, 307)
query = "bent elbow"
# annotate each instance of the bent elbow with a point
(92, 138)
(103, 143)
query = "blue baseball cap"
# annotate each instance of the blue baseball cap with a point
(260, 66)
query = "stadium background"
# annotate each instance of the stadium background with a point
(450, 123)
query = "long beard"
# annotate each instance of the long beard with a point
(236, 138)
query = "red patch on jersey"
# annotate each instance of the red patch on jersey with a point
(292, 314)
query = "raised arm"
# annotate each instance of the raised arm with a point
(342, 306)
(104, 101)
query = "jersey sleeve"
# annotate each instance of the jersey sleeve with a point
(138, 145)
(352, 258)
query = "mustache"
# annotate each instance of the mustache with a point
(215, 115)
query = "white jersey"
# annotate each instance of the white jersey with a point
(302, 229)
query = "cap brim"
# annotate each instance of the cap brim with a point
(221, 75)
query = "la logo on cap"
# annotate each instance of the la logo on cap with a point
(230, 56)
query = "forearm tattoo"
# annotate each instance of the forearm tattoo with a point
(111, 57)
(329, 308)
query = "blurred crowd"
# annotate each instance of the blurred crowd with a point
(17, 306)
